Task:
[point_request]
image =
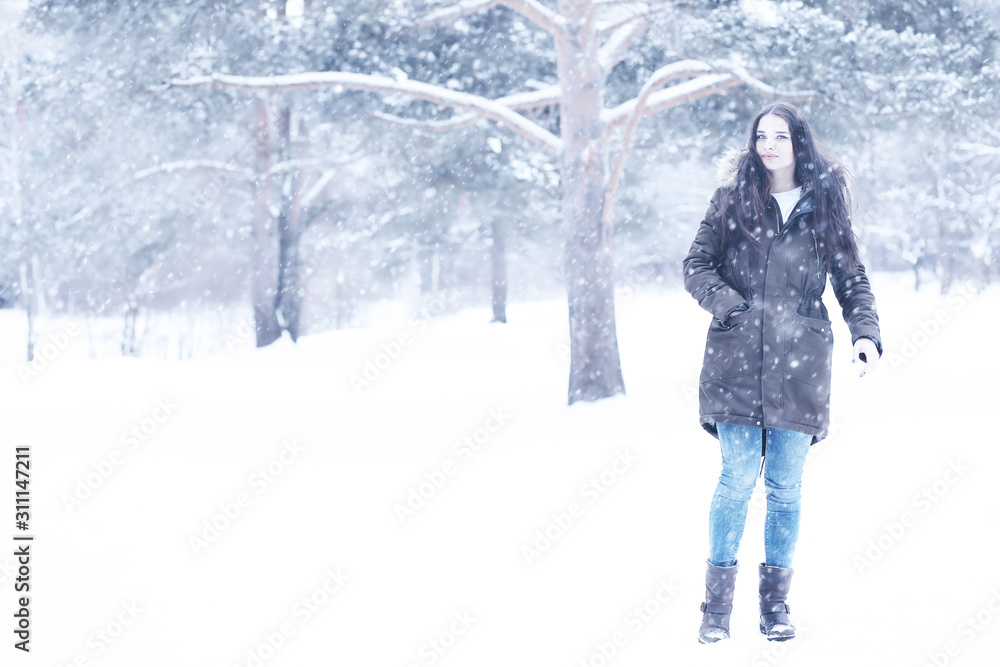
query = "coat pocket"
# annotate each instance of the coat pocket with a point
(808, 364)
(809, 351)
(728, 350)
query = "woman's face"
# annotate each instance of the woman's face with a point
(774, 146)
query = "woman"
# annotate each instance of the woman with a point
(774, 231)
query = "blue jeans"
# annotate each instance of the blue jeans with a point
(784, 459)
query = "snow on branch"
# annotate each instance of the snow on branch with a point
(455, 11)
(193, 165)
(532, 10)
(165, 168)
(753, 82)
(295, 165)
(707, 77)
(623, 20)
(978, 149)
(702, 80)
(687, 91)
(318, 188)
(454, 123)
(537, 13)
(621, 3)
(543, 97)
(988, 129)
(621, 39)
(439, 95)
(639, 105)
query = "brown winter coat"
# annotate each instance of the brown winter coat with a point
(770, 365)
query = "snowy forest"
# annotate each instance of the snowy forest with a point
(174, 172)
(355, 331)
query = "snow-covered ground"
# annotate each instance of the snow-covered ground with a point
(293, 506)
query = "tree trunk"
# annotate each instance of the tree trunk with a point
(29, 293)
(289, 294)
(28, 300)
(263, 293)
(128, 328)
(595, 366)
(947, 248)
(429, 262)
(340, 296)
(498, 265)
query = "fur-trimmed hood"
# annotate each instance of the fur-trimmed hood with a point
(727, 166)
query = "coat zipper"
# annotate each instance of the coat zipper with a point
(784, 223)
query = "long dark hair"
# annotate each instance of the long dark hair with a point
(743, 207)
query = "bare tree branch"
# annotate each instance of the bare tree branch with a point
(311, 212)
(456, 11)
(543, 97)
(320, 186)
(383, 85)
(538, 14)
(652, 99)
(192, 165)
(621, 3)
(659, 101)
(680, 94)
(622, 21)
(621, 39)
(977, 149)
(293, 165)
(637, 106)
(688, 91)
(532, 10)
(244, 175)
(165, 168)
(453, 123)
(989, 130)
(753, 82)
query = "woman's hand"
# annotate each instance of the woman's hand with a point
(734, 314)
(866, 347)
